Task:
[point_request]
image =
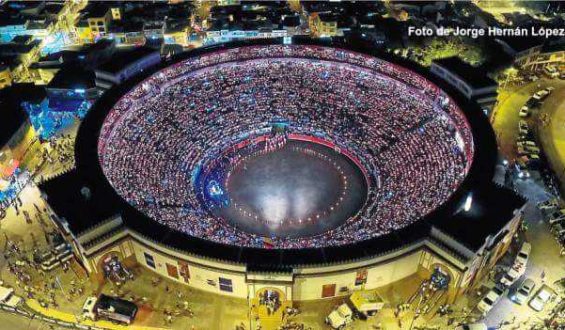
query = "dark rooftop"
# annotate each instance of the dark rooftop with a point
(95, 10)
(554, 46)
(13, 115)
(73, 77)
(17, 49)
(522, 43)
(475, 76)
(490, 210)
(125, 26)
(123, 58)
(79, 201)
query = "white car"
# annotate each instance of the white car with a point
(8, 298)
(524, 254)
(523, 125)
(513, 275)
(524, 112)
(541, 298)
(88, 308)
(340, 317)
(490, 299)
(526, 144)
(540, 95)
(524, 292)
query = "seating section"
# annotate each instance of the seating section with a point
(414, 143)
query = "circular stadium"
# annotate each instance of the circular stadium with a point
(281, 147)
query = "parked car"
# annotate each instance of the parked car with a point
(551, 71)
(524, 254)
(524, 112)
(533, 150)
(541, 298)
(523, 127)
(550, 204)
(531, 158)
(541, 94)
(490, 299)
(340, 317)
(522, 169)
(88, 308)
(558, 229)
(513, 274)
(524, 292)
(557, 216)
(8, 298)
(525, 144)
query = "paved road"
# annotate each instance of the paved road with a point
(16, 322)
(545, 256)
(552, 134)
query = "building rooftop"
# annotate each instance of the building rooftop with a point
(16, 48)
(73, 77)
(12, 114)
(484, 218)
(95, 10)
(474, 76)
(125, 26)
(122, 58)
(554, 46)
(521, 44)
(81, 202)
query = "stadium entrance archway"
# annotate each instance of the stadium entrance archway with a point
(269, 306)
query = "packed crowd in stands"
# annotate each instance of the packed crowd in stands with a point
(414, 144)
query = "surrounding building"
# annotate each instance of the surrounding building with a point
(539, 56)
(323, 24)
(124, 65)
(472, 82)
(18, 138)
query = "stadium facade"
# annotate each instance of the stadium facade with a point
(461, 239)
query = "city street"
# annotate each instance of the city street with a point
(505, 120)
(16, 322)
(545, 256)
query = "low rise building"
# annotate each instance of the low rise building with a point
(471, 81)
(124, 65)
(539, 56)
(323, 24)
(5, 75)
(18, 139)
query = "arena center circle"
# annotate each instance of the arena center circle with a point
(174, 145)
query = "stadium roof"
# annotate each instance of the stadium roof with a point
(491, 209)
